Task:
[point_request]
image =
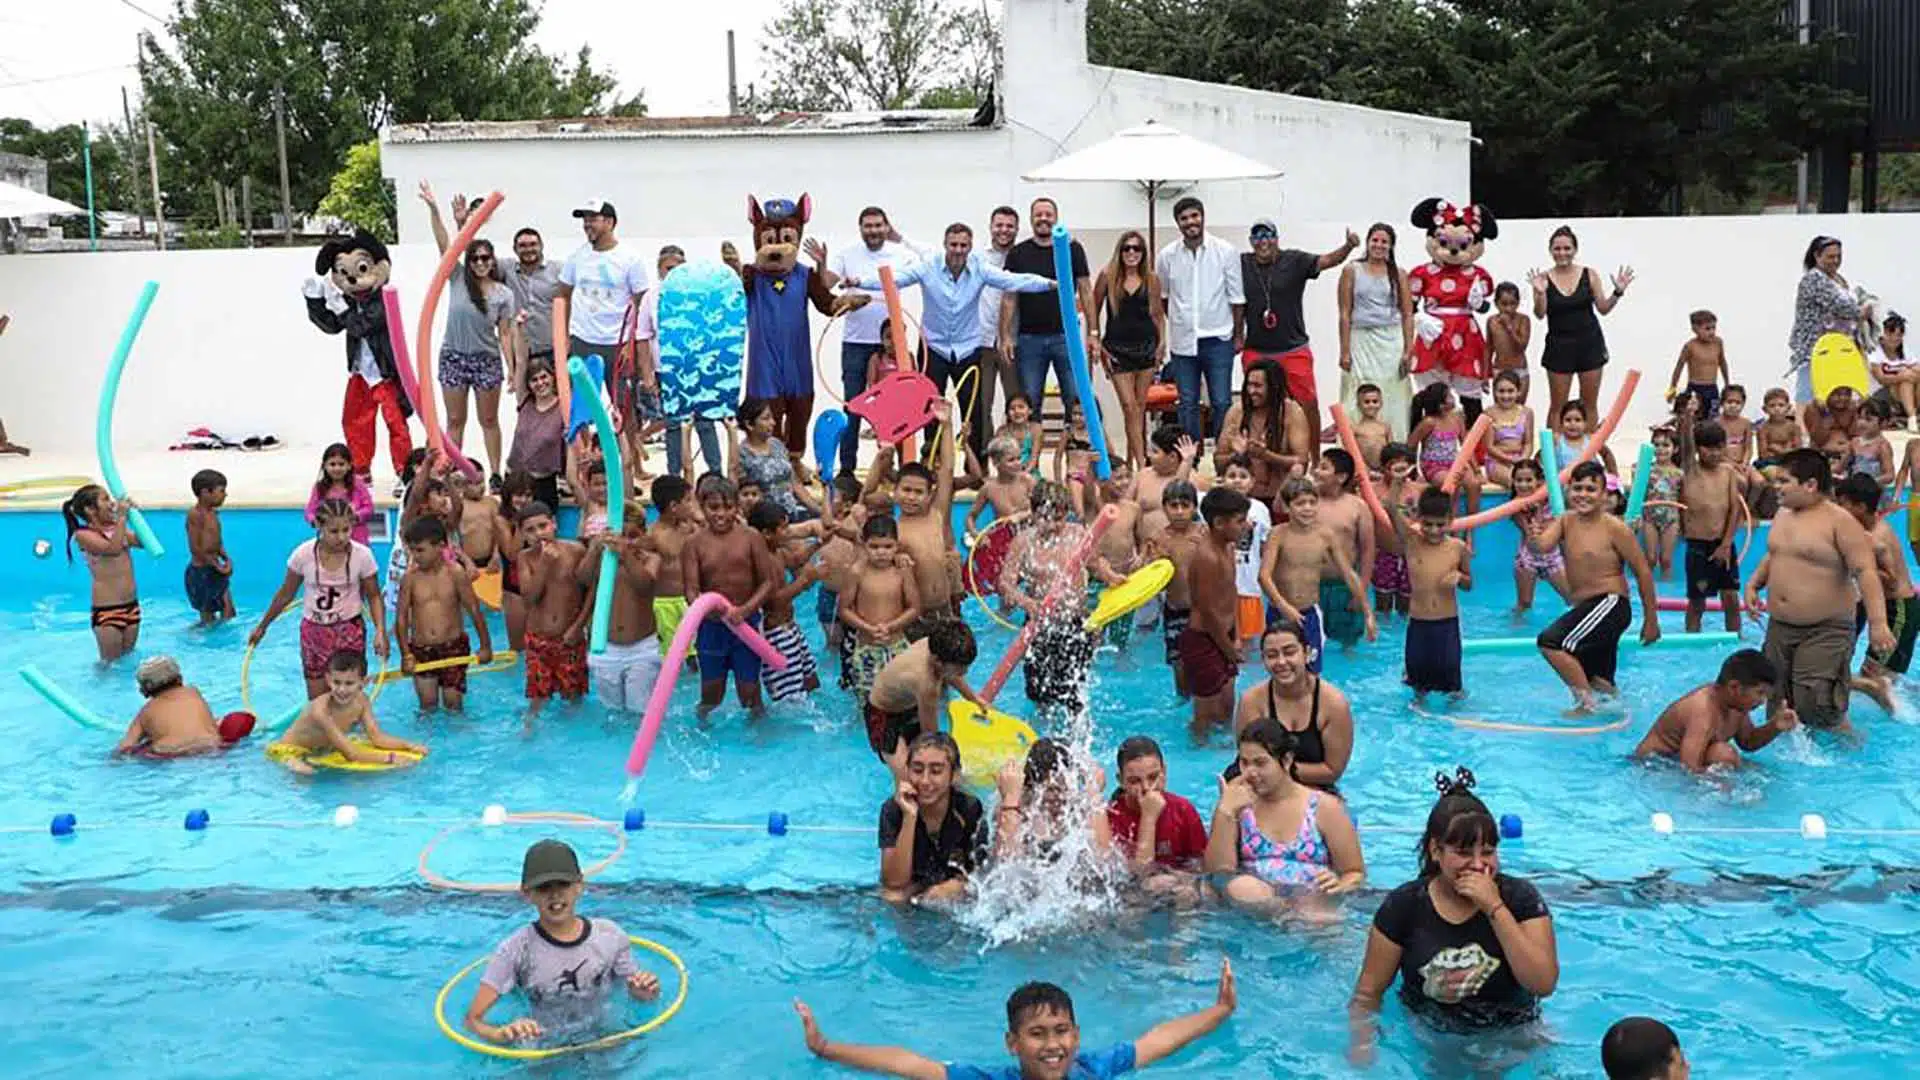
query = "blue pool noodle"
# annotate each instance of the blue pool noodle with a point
(1550, 465)
(64, 701)
(1077, 349)
(616, 501)
(1518, 645)
(103, 420)
(826, 442)
(1642, 475)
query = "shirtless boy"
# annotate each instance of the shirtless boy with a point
(834, 562)
(1859, 495)
(435, 596)
(175, 721)
(908, 692)
(1299, 555)
(1711, 490)
(1705, 726)
(1119, 551)
(1583, 645)
(925, 498)
(556, 653)
(624, 674)
(1816, 555)
(1392, 586)
(1370, 432)
(1346, 516)
(327, 721)
(1170, 461)
(793, 557)
(880, 601)
(210, 573)
(1779, 433)
(673, 502)
(478, 514)
(1176, 542)
(1009, 490)
(1704, 359)
(1440, 565)
(1209, 648)
(734, 562)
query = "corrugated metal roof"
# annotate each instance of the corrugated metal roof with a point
(656, 127)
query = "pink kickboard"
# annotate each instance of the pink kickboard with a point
(897, 406)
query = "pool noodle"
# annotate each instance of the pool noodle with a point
(1550, 472)
(1511, 646)
(1067, 586)
(616, 510)
(1360, 471)
(1460, 460)
(1642, 475)
(64, 701)
(898, 323)
(1679, 603)
(402, 358)
(103, 420)
(827, 429)
(703, 606)
(1063, 286)
(423, 349)
(1594, 446)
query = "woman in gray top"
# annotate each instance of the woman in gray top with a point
(482, 343)
(1376, 331)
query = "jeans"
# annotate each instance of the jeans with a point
(1035, 352)
(853, 380)
(709, 436)
(976, 402)
(1214, 361)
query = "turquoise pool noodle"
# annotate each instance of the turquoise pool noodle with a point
(64, 701)
(103, 420)
(1642, 476)
(616, 497)
(1550, 465)
(1513, 645)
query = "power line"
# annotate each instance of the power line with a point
(143, 11)
(61, 78)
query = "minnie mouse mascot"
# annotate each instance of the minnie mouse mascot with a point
(1450, 291)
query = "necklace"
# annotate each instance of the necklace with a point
(1267, 319)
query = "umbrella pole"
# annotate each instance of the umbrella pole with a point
(1153, 213)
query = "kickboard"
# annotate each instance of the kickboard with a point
(897, 406)
(1836, 363)
(701, 334)
(986, 740)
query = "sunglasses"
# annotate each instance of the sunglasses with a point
(480, 259)
(1133, 249)
(1264, 234)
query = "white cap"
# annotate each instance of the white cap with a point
(594, 204)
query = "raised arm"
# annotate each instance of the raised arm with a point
(884, 1060)
(1169, 1037)
(440, 237)
(1339, 255)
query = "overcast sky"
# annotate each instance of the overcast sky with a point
(66, 62)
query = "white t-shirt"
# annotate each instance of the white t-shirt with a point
(863, 327)
(332, 596)
(1246, 561)
(603, 282)
(1892, 364)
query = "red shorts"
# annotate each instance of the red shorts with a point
(1296, 364)
(1209, 671)
(450, 678)
(554, 667)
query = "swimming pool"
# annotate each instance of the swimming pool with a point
(300, 950)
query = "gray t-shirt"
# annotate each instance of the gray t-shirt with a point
(468, 329)
(533, 291)
(567, 984)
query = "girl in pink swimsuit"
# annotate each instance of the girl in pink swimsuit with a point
(1278, 837)
(1529, 566)
(1439, 429)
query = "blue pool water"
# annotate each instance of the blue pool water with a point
(240, 950)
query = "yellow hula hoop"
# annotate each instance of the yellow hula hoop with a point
(379, 680)
(1478, 724)
(48, 484)
(973, 549)
(501, 662)
(518, 1054)
(538, 817)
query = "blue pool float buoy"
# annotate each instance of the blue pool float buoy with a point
(63, 824)
(635, 820)
(196, 820)
(1510, 827)
(777, 823)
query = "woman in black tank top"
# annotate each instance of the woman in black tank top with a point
(1572, 297)
(1314, 710)
(1130, 322)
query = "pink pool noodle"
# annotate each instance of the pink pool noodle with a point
(1595, 444)
(1465, 457)
(1679, 603)
(1068, 587)
(402, 362)
(706, 605)
(423, 402)
(1360, 471)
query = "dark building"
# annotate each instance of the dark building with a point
(1879, 59)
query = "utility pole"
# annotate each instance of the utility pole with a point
(733, 84)
(280, 140)
(153, 172)
(133, 158)
(246, 207)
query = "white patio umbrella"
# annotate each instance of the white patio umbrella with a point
(16, 201)
(1151, 155)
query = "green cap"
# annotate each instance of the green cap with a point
(549, 861)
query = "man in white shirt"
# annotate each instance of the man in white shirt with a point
(880, 245)
(1003, 229)
(597, 283)
(1200, 281)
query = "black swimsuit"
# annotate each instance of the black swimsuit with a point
(1310, 746)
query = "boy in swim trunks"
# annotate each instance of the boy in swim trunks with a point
(435, 598)
(1583, 646)
(1346, 516)
(1303, 554)
(1859, 495)
(673, 503)
(175, 721)
(1043, 1037)
(1706, 725)
(1392, 585)
(565, 964)
(794, 559)
(624, 674)
(908, 692)
(1176, 541)
(1704, 359)
(880, 601)
(834, 564)
(1208, 649)
(210, 572)
(556, 653)
(1440, 565)
(326, 723)
(1710, 488)
(734, 562)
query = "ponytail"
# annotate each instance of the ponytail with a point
(73, 511)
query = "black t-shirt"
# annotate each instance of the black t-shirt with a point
(1457, 976)
(1277, 289)
(1039, 313)
(960, 847)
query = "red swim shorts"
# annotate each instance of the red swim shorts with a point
(1209, 671)
(1296, 364)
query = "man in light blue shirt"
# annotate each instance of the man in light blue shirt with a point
(950, 292)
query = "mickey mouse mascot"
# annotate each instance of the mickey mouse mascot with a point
(1449, 292)
(345, 298)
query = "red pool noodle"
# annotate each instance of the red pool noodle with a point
(423, 337)
(1594, 445)
(1467, 447)
(1067, 587)
(397, 337)
(1360, 471)
(900, 353)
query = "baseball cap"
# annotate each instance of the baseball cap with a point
(549, 861)
(1263, 224)
(595, 205)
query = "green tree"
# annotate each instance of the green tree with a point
(115, 183)
(344, 68)
(360, 195)
(843, 55)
